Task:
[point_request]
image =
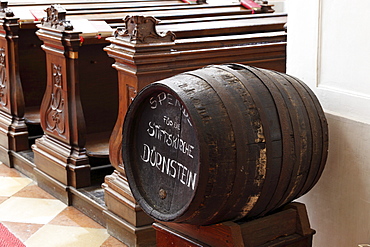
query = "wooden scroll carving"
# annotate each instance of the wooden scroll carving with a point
(5, 11)
(56, 18)
(55, 114)
(3, 80)
(141, 30)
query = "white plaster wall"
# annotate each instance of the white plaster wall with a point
(329, 49)
(279, 5)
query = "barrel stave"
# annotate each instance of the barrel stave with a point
(302, 145)
(249, 176)
(273, 132)
(319, 133)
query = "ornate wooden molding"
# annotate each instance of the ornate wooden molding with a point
(55, 118)
(142, 29)
(5, 11)
(56, 18)
(3, 79)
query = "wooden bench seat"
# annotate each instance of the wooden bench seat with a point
(97, 144)
(28, 3)
(151, 9)
(225, 27)
(98, 8)
(32, 115)
(167, 21)
(117, 16)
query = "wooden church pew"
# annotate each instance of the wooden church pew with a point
(26, 82)
(32, 75)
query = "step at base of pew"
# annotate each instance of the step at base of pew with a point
(90, 201)
(20, 155)
(5, 156)
(55, 158)
(127, 233)
(52, 186)
(125, 220)
(23, 162)
(13, 136)
(22, 159)
(58, 166)
(288, 227)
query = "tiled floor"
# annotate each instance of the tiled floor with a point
(38, 219)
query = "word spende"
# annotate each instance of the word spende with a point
(167, 99)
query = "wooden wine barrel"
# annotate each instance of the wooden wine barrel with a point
(223, 143)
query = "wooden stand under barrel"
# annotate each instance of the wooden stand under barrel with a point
(288, 227)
